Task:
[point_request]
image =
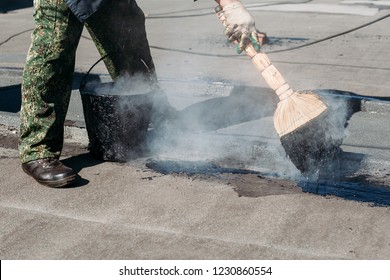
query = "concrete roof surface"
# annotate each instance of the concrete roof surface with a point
(254, 204)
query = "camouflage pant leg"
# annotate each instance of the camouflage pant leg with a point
(118, 30)
(47, 80)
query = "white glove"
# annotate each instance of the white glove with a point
(240, 26)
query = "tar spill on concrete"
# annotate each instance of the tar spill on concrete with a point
(193, 167)
(248, 183)
(356, 188)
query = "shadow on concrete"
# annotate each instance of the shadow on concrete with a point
(246, 104)
(242, 105)
(10, 96)
(10, 5)
(252, 103)
(354, 100)
(78, 163)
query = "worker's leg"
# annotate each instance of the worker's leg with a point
(118, 30)
(47, 80)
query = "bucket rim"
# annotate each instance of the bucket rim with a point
(90, 89)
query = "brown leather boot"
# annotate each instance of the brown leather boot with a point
(50, 172)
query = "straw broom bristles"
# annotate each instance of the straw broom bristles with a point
(294, 109)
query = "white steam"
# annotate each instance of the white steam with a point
(127, 85)
(233, 130)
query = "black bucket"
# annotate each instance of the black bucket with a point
(117, 125)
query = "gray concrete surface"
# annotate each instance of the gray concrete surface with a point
(130, 211)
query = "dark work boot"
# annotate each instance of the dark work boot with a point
(50, 172)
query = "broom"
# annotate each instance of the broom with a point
(301, 118)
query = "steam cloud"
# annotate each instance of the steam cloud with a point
(235, 130)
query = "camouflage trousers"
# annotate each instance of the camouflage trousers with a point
(118, 31)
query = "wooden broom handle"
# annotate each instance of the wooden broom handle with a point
(269, 72)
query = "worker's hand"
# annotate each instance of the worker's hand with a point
(240, 26)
